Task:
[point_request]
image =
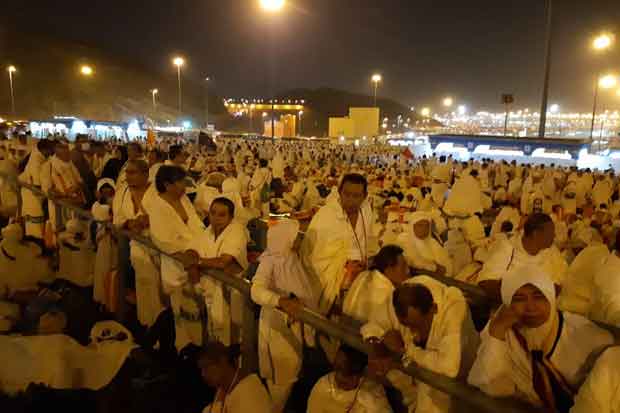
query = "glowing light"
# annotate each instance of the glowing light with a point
(187, 124)
(555, 108)
(178, 61)
(377, 78)
(86, 70)
(447, 102)
(608, 81)
(272, 5)
(462, 110)
(155, 91)
(133, 129)
(78, 127)
(425, 112)
(603, 41)
(11, 69)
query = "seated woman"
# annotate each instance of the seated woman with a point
(223, 246)
(422, 251)
(282, 286)
(236, 392)
(346, 390)
(174, 225)
(532, 351)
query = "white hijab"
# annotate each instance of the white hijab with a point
(290, 276)
(539, 278)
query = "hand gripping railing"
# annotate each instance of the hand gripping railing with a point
(460, 390)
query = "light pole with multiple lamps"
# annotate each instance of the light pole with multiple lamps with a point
(12, 69)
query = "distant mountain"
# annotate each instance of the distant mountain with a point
(48, 82)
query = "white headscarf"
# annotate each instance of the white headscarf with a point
(539, 278)
(105, 181)
(290, 276)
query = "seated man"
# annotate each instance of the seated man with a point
(534, 247)
(430, 325)
(346, 390)
(370, 294)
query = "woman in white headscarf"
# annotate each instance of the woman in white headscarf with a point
(422, 251)
(532, 351)
(281, 286)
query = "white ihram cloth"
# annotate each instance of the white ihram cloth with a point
(605, 303)
(60, 362)
(224, 305)
(64, 177)
(370, 297)
(601, 391)
(423, 254)
(107, 256)
(32, 205)
(172, 235)
(280, 340)
(465, 198)
(249, 395)
(330, 242)
(149, 291)
(451, 346)
(578, 287)
(326, 397)
(510, 254)
(507, 213)
(503, 368)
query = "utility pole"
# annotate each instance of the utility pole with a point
(545, 96)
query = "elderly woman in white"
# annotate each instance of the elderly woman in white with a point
(532, 351)
(422, 251)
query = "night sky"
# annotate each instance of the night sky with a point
(472, 50)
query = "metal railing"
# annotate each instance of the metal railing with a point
(460, 390)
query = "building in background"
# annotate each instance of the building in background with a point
(285, 127)
(360, 122)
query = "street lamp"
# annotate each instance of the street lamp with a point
(376, 78)
(426, 112)
(86, 70)
(207, 80)
(448, 102)
(179, 62)
(154, 92)
(600, 44)
(11, 69)
(300, 113)
(272, 5)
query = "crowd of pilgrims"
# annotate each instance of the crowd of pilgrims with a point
(366, 236)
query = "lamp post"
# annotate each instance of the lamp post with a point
(11, 69)
(600, 44)
(272, 6)
(545, 96)
(87, 72)
(154, 93)
(376, 79)
(605, 82)
(301, 114)
(207, 80)
(179, 62)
